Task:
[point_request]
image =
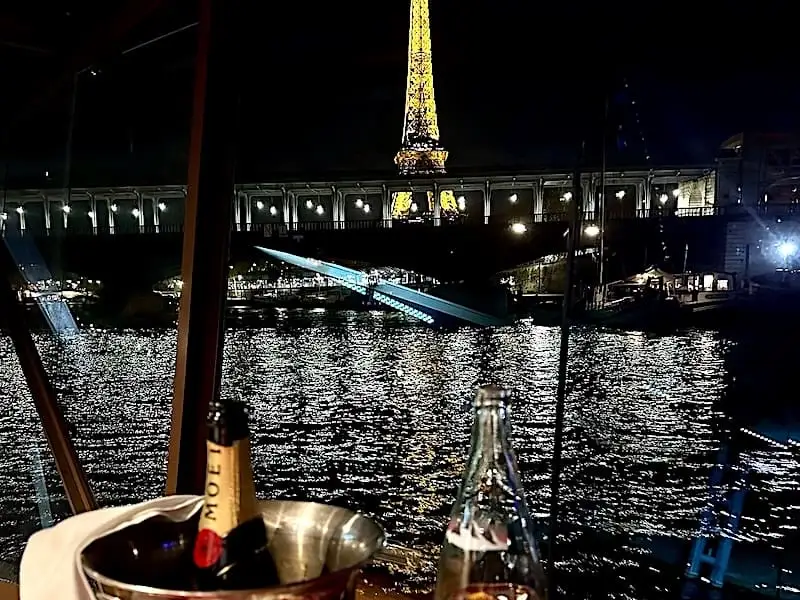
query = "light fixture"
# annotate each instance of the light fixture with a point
(462, 203)
(259, 205)
(135, 212)
(676, 192)
(309, 204)
(663, 198)
(20, 210)
(513, 198)
(90, 214)
(519, 228)
(162, 206)
(787, 248)
(620, 194)
(359, 203)
(114, 207)
(67, 209)
(414, 208)
(3, 216)
(273, 211)
(567, 196)
(320, 209)
(366, 208)
(592, 230)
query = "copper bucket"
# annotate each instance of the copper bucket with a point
(319, 551)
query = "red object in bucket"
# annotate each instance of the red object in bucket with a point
(207, 548)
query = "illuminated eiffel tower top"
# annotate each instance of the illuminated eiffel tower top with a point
(421, 152)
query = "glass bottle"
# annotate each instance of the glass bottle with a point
(230, 551)
(489, 549)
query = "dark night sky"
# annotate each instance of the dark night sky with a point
(517, 83)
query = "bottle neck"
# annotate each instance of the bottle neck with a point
(229, 492)
(490, 452)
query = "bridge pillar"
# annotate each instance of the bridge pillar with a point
(648, 195)
(538, 200)
(386, 209)
(487, 202)
(92, 212)
(46, 208)
(156, 214)
(587, 199)
(64, 204)
(338, 211)
(140, 206)
(248, 211)
(640, 198)
(112, 209)
(292, 209)
(237, 210)
(285, 210)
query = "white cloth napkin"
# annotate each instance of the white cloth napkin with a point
(51, 566)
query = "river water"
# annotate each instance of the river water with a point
(372, 411)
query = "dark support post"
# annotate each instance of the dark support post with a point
(212, 156)
(573, 241)
(76, 485)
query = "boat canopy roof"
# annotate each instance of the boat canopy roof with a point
(652, 272)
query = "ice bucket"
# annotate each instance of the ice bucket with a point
(319, 551)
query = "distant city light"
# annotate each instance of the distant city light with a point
(135, 212)
(359, 203)
(366, 208)
(320, 209)
(592, 230)
(259, 205)
(272, 210)
(462, 203)
(620, 194)
(66, 208)
(519, 228)
(414, 207)
(513, 198)
(663, 198)
(567, 196)
(162, 206)
(309, 204)
(787, 249)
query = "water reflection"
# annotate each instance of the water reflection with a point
(371, 411)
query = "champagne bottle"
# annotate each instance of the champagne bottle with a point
(230, 551)
(490, 551)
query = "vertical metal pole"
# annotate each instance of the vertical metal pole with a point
(573, 236)
(206, 242)
(602, 239)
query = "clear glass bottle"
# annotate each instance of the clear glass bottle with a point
(489, 549)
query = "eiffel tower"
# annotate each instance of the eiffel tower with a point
(421, 152)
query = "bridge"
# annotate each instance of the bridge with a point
(302, 206)
(131, 236)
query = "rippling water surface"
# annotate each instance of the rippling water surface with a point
(372, 411)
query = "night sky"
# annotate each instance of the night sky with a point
(518, 84)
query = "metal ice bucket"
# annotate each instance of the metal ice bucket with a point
(319, 551)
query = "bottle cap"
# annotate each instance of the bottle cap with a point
(492, 395)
